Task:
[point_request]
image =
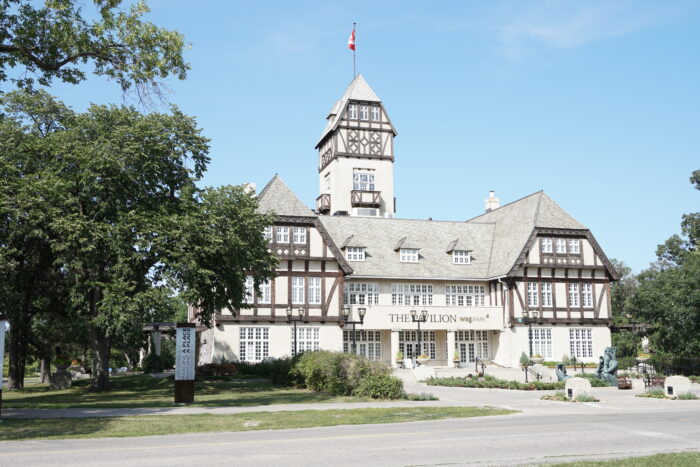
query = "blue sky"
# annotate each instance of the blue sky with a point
(597, 103)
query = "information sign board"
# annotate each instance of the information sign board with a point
(184, 354)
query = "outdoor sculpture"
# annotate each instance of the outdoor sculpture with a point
(561, 372)
(607, 370)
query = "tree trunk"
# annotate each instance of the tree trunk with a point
(100, 359)
(18, 358)
(45, 368)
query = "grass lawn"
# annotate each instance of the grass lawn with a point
(58, 428)
(145, 391)
(684, 459)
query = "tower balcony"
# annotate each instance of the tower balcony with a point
(365, 199)
(323, 203)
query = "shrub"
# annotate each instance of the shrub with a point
(524, 359)
(595, 381)
(586, 398)
(687, 396)
(654, 393)
(557, 396)
(423, 396)
(490, 382)
(566, 360)
(276, 370)
(153, 363)
(212, 370)
(379, 387)
(626, 362)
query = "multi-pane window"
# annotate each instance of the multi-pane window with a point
(363, 181)
(297, 290)
(408, 255)
(574, 295)
(546, 245)
(364, 112)
(461, 257)
(299, 235)
(546, 294)
(282, 234)
(355, 253)
(361, 293)
(352, 111)
(308, 339)
(411, 294)
(375, 113)
(368, 343)
(561, 245)
(472, 345)
(541, 341)
(254, 344)
(267, 233)
(532, 294)
(264, 292)
(581, 342)
(315, 290)
(249, 289)
(574, 246)
(408, 343)
(464, 295)
(587, 295)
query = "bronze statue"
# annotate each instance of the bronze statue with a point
(561, 372)
(609, 372)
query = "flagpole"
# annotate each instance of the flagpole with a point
(354, 49)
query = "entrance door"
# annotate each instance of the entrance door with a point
(467, 352)
(472, 344)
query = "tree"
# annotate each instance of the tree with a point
(622, 292)
(133, 221)
(56, 41)
(668, 296)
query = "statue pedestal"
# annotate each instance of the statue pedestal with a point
(577, 386)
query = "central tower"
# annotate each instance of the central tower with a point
(356, 156)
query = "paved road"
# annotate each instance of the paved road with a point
(618, 426)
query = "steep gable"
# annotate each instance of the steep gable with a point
(279, 198)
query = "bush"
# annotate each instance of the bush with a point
(379, 387)
(595, 381)
(423, 396)
(276, 370)
(655, 393)
(557, 396)
(212, 370)
(586, 398)
(491, 382)
(153, 363)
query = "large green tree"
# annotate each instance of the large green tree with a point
(129, 220)
(58, 40)
(668, 296)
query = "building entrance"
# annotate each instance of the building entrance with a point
(408, 343)
(472, 345)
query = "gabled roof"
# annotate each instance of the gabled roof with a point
(277, 197)
(358, 90)
(515, 222)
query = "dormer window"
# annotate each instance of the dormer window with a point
(352, 111)
(574, 246)
(561, 246)
(461, 257)
(375, 113)
(364, 112)
(546, 245)
(408, 255)
(355, 253)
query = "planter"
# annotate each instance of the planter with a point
(422, 361)
(456, 363)
(537, 361)
(642, 359)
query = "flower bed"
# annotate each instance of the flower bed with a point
(495, 383)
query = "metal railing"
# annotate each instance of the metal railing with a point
(479, 363)
(532, 372)
(575, 362)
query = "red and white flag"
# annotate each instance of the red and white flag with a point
(351, 40)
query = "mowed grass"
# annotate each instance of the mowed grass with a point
(681, 459)
(61, 428)
(146, 391)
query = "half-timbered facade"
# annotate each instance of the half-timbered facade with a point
(523, 277)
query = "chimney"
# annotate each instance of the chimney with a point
(492, 202)
(250, 188)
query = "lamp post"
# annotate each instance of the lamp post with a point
(293, 319)
(529, 320)
(422, 319)
(346, 314)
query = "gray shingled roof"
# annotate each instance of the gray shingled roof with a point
(379, 236)
(358, 90)
(514, 223)
(278, 197)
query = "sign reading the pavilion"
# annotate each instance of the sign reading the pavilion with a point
(184, 363)
(438, 318)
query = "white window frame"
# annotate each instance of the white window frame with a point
(546, 245)
(265, 295)
(369, 343)
(546, 292)
(465, 295)
(574, 246)
(267, 233)
(299, 235)
(587, 295)
(363, 180)
(249, 292)
(376, 113)
(561, 246)
(352, 111)
(412, 294)
(364, 112)
(461, 257)
(532, 294)
(282, 234)
(574, 295)
(541, 341)
(581, 342)
(408, 255)
(361, 293)
(308, 339)
(298, 286)
(355, 253)
(260, 338)
(314, 290)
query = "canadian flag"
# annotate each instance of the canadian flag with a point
(351, 40)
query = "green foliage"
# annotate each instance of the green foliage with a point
(488, 381)
(214, 370)
(153, 363)
(654, 393)
(57, 40)
(586, 398)
(344, 374)
(566, 360)
(687, 396)
(276, 370)
(524, 359)
(423, 396)
(557, 396)
(594, 380)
